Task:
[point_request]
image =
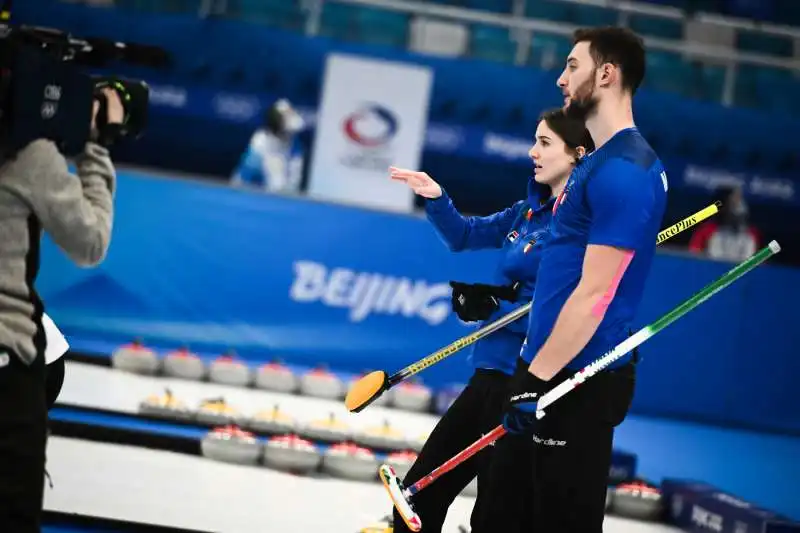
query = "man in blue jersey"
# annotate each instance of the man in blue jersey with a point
(590, 283)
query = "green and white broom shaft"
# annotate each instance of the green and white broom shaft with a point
(623, 348)
(648, 331)
(523, 310)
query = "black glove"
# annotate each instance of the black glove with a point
(510, 293)
(473, 302)
(519, 411)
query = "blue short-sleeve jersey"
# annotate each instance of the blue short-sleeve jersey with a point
(615, 197)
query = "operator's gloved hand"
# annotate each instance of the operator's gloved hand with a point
(473, 302)
(519, 412)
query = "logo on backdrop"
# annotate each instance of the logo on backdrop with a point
(371, 126)
(168, 96)
(368, 293)
(369, 131)
(755, 185)
(236, 107)
(706, 519)
(511, 148)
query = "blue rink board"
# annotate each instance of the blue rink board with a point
(759, 468)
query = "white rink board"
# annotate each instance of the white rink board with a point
(176, 490)
(94, 386)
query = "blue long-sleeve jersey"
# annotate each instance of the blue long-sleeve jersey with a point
(520, 231)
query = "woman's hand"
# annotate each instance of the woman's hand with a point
(419, 182)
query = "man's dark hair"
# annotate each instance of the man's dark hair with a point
(618, 46)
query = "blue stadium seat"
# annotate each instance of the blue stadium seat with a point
(554, 10)
(680, 4)
(656, 26)
(338, 21)
(367, 25)
(492, 43)
(496, 6)
(744, 92)
(759, 86)
(691, 6)
(381, 27)
(668, 72)
(761, 43)
(776, 90)
(712, 82)
(277, 13)
(549, 52)
(588, 15)
(161, 6)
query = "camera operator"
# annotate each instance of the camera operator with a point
(38, 193)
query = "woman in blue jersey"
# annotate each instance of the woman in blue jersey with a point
(520, 231)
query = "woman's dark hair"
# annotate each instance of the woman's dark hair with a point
(573, 132)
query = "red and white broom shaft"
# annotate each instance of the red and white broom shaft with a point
(456, 460)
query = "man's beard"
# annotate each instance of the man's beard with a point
(584, 103)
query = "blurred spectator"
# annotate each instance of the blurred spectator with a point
(729, 236)
(274, 159)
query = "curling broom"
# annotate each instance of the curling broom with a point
(367, 389)
(401, 497)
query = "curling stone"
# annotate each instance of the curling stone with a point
(321, 383)
(228, 370)
(165, 406)
(383, 399)
(384, 437)
(272, 421)
(350, 461)
(411, 396)
(216, 411)
(291, 453)
(471, 489)
(445, 398)
(401, 462)
(137, 358)
(231, 445)
(184, 364)
(637, 499)
(329, 429)
(276, 376)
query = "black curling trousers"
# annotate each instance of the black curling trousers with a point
(571, 459)
(474, 413)
(23, 438)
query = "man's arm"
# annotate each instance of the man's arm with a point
(76, 211)
(621, 199)
(584, 310)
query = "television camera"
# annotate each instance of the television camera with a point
(47, 92)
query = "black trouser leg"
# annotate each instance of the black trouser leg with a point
(54, 373)
(573, 454)
(23, 436)
(507, 490)
(474, 413)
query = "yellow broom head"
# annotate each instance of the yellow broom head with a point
(366, 390)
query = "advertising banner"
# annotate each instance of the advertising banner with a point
(373, 115)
